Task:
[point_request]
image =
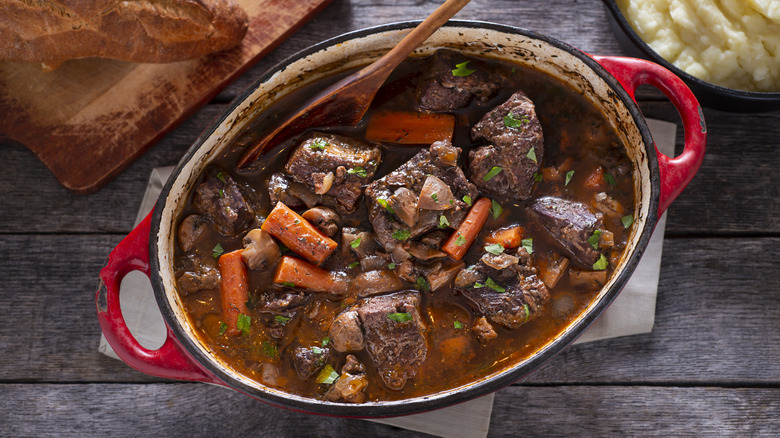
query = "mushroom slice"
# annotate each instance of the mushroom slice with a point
(260, 250)
(324, 219)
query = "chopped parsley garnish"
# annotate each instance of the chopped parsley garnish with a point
(385, 205)
(399, 317)
(495, 209)
(221, 193)
(269, 349)
(287, 283)
(512, 122)
(460, 240)
(491, 173)
(593, 240)
(461, 69)
(244, 321)
(296, 221)
(327, 376)
(532, 154)
(537, 177)
(457, 325)
(422, 284)
(222, 328)
(355, 243)
(217, 251)
(478, 285)
(527, 312)
(359, 171)
(402, 234)
(282, 319)
(317, 350)
(435, 197)
(601, 264)
(528, 244)
(443, 221)
(569, 174)
(467, 200)
(493, 285)
(627, 220)
(495, 249)
(353, 265)
(391, 266)
(325, 341)
(609, 179)
(221, 177)
(319, 145)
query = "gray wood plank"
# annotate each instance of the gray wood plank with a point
(716, 308)
(207, 411)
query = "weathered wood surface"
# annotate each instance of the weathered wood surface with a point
(711, 366)
(207, 411)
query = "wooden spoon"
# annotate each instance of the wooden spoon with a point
(345, 102)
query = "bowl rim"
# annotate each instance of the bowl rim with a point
(447, 397)
(628, 30)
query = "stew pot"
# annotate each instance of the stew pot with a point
(610, 82)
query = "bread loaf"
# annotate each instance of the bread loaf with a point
(153, 31)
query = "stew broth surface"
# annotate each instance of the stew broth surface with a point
(577, 141)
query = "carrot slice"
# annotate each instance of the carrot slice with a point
(409, 127)
(511, 237)
(298, 234)
(299, 273)
(596, 181)
(460, 241)
(234, 289)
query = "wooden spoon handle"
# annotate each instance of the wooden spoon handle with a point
(417, 36)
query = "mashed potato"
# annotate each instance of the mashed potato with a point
(733, 43)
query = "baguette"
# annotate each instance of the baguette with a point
(149, 31)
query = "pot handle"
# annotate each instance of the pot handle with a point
(675, 172)
(169, 361)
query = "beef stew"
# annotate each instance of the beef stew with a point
(354, 269)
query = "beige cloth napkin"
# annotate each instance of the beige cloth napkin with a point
(632, 312)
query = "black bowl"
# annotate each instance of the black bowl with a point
(709, 95)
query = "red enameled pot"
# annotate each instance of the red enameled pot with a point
(609, 82)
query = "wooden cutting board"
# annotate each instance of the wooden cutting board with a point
(90, 118)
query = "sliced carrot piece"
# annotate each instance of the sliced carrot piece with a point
(299, 273)
(511, 237)
(459, 242)
(298, 234)
(596, 181)
(409, 127)
(234, 289)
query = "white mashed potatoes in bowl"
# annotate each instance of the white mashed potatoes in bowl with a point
(732, 43)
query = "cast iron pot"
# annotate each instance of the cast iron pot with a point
(609, 82)
(709, 94)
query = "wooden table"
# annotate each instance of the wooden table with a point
(710, 367)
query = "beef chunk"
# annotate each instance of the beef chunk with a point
(441, 90)
(335, 167)
(509, 296)
(375, 282)
(512, 129)
(220, 200)
(283, 301)
(290, 193)
(346, 332)
(570, 224)
(308, 361)
(197, 273)
(440, 161)
(397, 348)
(483, 330)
